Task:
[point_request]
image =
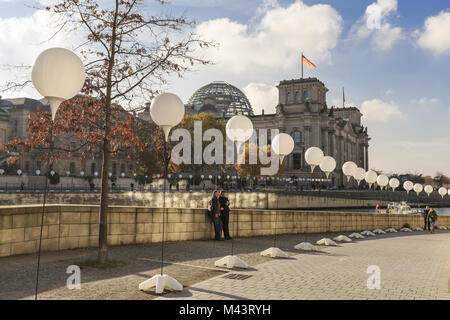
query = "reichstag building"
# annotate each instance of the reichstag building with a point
(303, 113)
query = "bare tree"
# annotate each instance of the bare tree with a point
(128, 55)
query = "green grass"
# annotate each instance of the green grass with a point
(93, 263)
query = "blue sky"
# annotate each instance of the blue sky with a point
(397, 73)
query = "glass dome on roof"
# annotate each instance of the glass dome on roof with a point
(227, 98)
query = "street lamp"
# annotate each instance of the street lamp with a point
(239, 128)
(394, 183)
(349, 169)
(359, 175)
(282, 145)
(167, 111)
(38, 172)
(382, 181)
(58, 74)
(327, 165)
(313, 157)
(418, 188)
(428, 190)
(442, 192)
(371, 177)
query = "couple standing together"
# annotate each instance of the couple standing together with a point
(219, 212)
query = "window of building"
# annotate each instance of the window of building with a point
(289, 97)
(92, 168)
(297, 161)
(297, 96)
(298, 137)
(305, 95)
(122, 168)
(27, 167)
(114, 169)
(38, 165)
(72, 167)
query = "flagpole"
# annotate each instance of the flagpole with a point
(343, 98)
(302, 65)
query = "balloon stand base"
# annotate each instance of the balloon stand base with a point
(274, 253)
(161, 282)
(231, 262)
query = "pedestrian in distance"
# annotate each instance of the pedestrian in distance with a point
(214, 214)
(425, 218)
(432, 217)
(225, 214)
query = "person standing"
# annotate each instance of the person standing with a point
(425, 218)
(432, 217)
(214, 214)
(225, 214)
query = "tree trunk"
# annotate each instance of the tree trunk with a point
(103, 228)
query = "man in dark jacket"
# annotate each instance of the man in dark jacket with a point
(214, 214)
(225, 214)
(425, 217)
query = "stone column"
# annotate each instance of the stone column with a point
(316, 136)
(326, 150)
(308, 142)
(367, 158)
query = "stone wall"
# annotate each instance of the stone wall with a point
(70, 227)
(244, 200)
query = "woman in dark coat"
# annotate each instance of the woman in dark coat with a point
(214, 214)
(225, 214)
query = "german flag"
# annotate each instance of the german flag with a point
(308, 63)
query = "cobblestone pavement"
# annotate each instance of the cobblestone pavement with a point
(413, 266)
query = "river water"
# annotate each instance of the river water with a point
(440, 211)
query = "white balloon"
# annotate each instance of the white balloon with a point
(282, 144)
(239, 128)
(428, 189)
(394, 183)
(443, 191)
(371, 177)
(408, 186)
(327, 165)
(349, 169)
(58, 74)
(382, 181)
(418, 188)
(359, 175)
(167, 110)
(313, 157)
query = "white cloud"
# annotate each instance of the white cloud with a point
(276, 40)
(386, 37)
(389, 92)
(21, 41)
(262, 97)
(425, 100)
(374, 24)
(379, 111)
(436, 34)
